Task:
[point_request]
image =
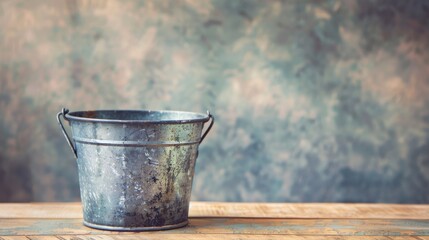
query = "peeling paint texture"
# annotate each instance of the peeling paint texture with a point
(314, 100)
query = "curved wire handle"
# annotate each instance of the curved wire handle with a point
(63, 113)
(208, 128)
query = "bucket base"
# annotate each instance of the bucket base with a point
(113, 228)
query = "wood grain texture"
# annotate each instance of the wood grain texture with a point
(75, 237)
(307, 221)
(270, 226)
(13, 238)
(309, 210)
(251, 210)
(41, 210)
(213, 236)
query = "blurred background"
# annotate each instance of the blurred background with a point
(315, 101)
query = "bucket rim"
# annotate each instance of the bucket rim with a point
(199, 117)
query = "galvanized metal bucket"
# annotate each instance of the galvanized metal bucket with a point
(135, 167)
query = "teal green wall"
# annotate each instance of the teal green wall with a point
(314, 100)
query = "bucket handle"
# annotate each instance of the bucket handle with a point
(208, 128)
(63, 113)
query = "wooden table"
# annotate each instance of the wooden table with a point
(231, 221)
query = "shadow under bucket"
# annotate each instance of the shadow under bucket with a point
(135, 167)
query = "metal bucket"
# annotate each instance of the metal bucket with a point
(135, 167)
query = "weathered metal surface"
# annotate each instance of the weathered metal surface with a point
(135, 167)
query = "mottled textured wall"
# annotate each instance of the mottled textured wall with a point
(315, 100)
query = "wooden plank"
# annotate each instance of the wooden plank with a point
(75, 237)
(210, 237)
(13, 238)
(255, 210)
(314, 227)
(41, 210)
(310, 210)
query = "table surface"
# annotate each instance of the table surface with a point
(209, 220)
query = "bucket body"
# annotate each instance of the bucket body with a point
(136, 167)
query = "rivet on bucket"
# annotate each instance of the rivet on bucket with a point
(135, 167)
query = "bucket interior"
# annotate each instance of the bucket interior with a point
(135, 115)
